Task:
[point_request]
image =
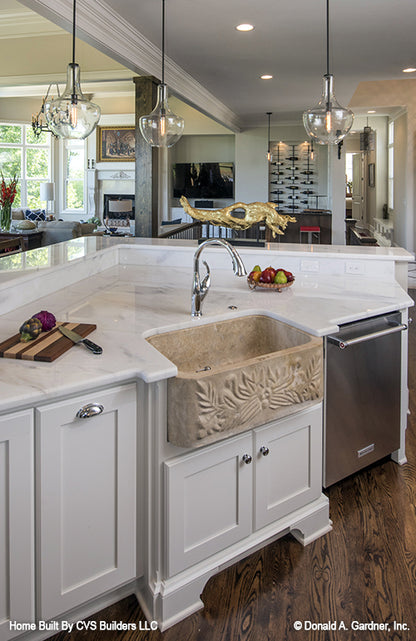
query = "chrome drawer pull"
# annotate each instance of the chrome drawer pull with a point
(361, 339)
(264, 450)
(247, 459)
(92, 409)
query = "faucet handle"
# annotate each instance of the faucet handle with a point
(206, 281)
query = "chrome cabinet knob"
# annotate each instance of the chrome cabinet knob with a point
(264, 450)
(92, 409)
(247, 459)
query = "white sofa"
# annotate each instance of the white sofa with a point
(56, 231)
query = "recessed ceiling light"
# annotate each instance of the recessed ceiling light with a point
(371, 111)
(266, 76)
(245, 27)
(409, 70)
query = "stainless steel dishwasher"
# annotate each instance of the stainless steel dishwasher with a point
(363, 372)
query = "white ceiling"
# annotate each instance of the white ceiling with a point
(370, 40)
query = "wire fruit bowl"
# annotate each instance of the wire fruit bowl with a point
(270, 286)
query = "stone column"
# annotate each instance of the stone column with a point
(147, 165)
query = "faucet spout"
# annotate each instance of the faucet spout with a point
(200, 289)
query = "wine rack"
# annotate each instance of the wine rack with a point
(292, 180)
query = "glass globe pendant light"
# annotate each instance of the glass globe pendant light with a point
(162, 128)
(72, 115)
(328, 123)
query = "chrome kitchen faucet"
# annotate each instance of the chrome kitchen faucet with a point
(200, 289)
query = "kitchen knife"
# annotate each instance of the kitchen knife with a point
(76, 338)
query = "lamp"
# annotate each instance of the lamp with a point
(162, 128)
(47, 193)
(38, 120)
(328, 123)
(72, 115)
(269, 154)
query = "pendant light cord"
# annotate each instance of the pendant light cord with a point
(327, 37)
(163, 41)
(269, 113)
(73, 53)
(73, 33)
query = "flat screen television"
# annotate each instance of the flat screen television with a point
(203, 180)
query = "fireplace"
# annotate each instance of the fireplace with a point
(121, 212)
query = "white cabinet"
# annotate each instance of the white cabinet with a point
(288, 457)
(209, 501)
(16, 521)
(223, 493)
(86, 498)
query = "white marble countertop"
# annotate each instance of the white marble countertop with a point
(136, 287)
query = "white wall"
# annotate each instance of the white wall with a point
(252, 171)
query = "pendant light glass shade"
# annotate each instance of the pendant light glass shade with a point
(161, 128)
(72, 115)
(327, 123)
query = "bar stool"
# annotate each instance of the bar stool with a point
(314, 232)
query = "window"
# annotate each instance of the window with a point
(74, 161)
(391, 166)
(27, 156)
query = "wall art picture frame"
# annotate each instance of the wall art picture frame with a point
(116, 144)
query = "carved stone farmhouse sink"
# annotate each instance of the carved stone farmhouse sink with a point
(237, 374)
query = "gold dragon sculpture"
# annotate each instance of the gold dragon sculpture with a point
(253, 213)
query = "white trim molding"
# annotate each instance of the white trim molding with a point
(106, 30)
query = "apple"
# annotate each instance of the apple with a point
(288, 275)
(267, 275)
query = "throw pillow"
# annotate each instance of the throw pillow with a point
(35, 214)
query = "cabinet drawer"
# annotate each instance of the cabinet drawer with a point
(289, 475)
(86, 498)
(209, 501)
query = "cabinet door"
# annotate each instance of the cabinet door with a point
(16, 521)
(86, 498)
(288, 457)
(209, 501)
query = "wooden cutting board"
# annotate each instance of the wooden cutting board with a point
(47, 346)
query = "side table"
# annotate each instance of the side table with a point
(31, 239)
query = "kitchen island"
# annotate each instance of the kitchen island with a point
(132, 289)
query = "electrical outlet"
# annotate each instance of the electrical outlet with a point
(309, 265)
(354, 267)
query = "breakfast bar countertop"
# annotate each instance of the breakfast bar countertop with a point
(132, 288)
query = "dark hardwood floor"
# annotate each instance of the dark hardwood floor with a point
(364, 570)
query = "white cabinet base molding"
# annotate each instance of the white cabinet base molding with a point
(222, 502)
(179, 596)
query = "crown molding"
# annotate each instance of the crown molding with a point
(110, 33)
(24, 23)
(104, 83)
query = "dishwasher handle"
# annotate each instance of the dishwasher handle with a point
(342, 344)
